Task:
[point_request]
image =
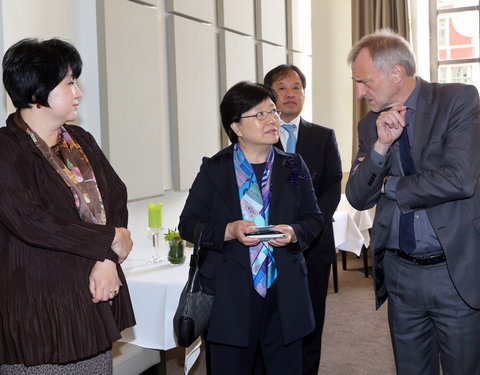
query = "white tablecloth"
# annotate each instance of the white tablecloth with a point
(154, 290)
(351, 227)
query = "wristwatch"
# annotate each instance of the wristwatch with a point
(382, 190)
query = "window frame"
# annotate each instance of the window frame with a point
(435, 63)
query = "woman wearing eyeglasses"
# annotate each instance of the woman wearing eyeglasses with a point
(262, 306)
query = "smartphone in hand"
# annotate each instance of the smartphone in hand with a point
(264, 233)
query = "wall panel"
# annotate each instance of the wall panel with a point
(203, 10)
(269, 56)
(299, 26)
(237, 59)
(271, 21)
(132, 82)
(71, 20)
(194, 95)
(304, 62)
(18, 22)
(237, 15)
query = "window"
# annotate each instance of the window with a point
(455, 45)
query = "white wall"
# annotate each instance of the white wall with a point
(421, 36)
(131, 77)
(194, 96)
(332, 84)
(86, 41)
(72, 20)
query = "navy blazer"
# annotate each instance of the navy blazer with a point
(318, 147)
(447, 161)
(213, 201)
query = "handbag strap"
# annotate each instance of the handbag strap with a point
(196, 248)
(193, 278)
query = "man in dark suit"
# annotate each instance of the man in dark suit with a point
(418, 161)
(318, 147)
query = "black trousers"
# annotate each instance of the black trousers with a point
(318, 278)
(266, 353)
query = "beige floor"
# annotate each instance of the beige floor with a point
(355, 340)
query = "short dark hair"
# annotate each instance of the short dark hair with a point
(240, 98)
(32, 68)
(281, 71)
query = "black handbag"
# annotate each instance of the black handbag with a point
(195, 305)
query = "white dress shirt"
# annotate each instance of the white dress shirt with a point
(284, 133)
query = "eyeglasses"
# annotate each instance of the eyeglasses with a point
(262, 116)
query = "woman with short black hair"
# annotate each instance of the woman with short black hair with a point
(262, 305)
(63, 218)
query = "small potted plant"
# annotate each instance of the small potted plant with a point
(175, 245)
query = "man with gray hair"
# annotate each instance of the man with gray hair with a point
(418, 162)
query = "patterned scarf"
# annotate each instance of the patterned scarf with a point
(75, 171)
(255, 207)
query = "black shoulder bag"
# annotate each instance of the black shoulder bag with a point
(195, 305)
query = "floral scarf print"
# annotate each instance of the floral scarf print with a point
(75, 171)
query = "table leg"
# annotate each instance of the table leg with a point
(365, 261)
(344, 259)
(335, 276)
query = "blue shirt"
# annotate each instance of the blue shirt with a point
(426, 240)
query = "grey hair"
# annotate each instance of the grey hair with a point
(387, 49)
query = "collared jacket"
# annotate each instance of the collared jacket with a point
(213, 202)
(446, 158)
(47, 253)
(318, 147)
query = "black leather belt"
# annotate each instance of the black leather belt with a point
(421, 261)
